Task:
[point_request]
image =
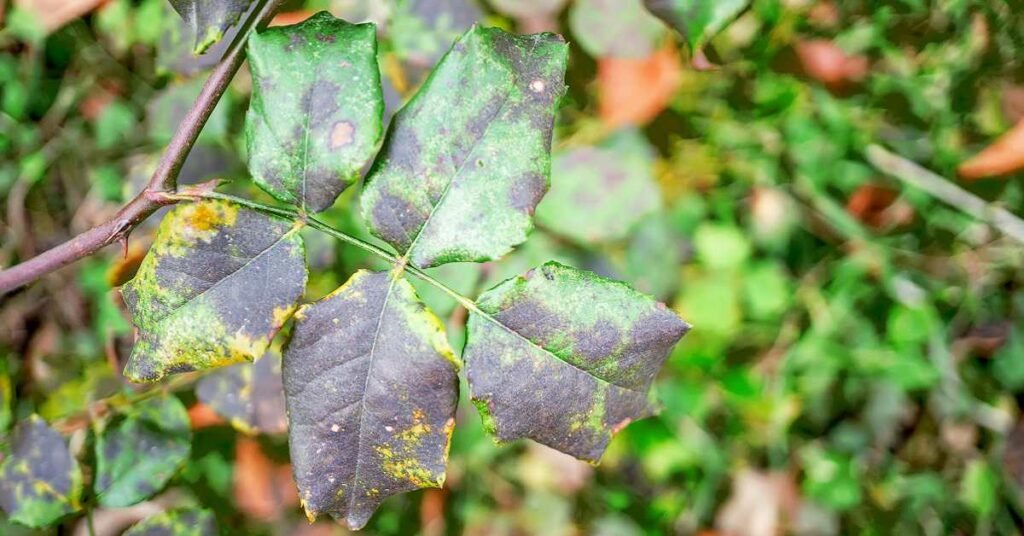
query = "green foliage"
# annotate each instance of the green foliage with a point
(182, 522)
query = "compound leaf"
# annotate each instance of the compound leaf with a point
(371, 388)
(467, 160)
(138, 454)
(600, 193)
(180, 522)
(249, 395)
(218, 283)
(697, 20)
(39, 481)
(615, 28)
(210, 20)
(566, 357)
(317, 107)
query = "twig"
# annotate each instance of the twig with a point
(945, 191)
(158, 192)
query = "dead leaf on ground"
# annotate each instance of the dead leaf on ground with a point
(761, 504)
(825, 62)
(879, 207)
(262, 489)
(1003, 157)
(53, 14)
(288, 18)
(635, 91)
(203, 416)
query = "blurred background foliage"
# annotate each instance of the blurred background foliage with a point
(857, 361)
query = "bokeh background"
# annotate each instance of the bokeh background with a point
(857, 361)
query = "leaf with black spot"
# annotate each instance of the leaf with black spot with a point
(467, 160)
(371, 388)
(138, 453)
(566, 358)
(39, 481)
(599, 193)
(615, 28)
(697, 20)
(179, 522)
(217, 285)
(249, 395)
(317, 108)
(210, 19)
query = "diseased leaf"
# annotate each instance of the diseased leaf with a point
(317, 107)
(137, 455)
(39, 481)
(371, 389)
(697, 20)
(180, 522)
(249, 395)
(599, 193)
(420, 31)
(566, 358)
(210, 20)
(467, 160)
(218, 283)
(616, 28)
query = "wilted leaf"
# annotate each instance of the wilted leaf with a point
(371, 389)
(136, 456)
(39, 481)
(635, 91)
(316, 111)
(210, 19)
(1003, 157)
(697, 20)
(616, 28)
(262, 488)
(218, 283)
(249, 395)
(599, 193)
(566, 357)
(182, 522)
(467, 160)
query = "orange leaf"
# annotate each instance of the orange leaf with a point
(1003, 157)
(202, 416)
(825, 62)
(53, 14)
(878, 206)
(635, 91)
(262, 488)
(291, 17)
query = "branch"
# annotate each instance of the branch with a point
(159, 189)
(947, 192)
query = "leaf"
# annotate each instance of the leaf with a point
(420, 31)
(467, 160)
(262, 489)
(1003, 157)
(371, 388)
(697, 20)
(600, 192)
(138, 455)
(210, 20)
(616, 28)
(250, 396)
(39, 481)
(218, 283)
(566, 358)
(825, 62)
(6, 397)
(315, 116)
(635, 91)
(528, 8)
(180, 522)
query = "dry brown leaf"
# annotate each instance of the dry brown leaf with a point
(1003, 157)
(262, 488)
(761, 504)
(825, 62)
(291, 17)
(635, 91)
(879, 207)
(203, 416)
(53, 14)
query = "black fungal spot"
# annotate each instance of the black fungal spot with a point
(326, 38)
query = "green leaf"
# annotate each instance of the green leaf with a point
(721, 247)
(249, 395)
(697, 20)
(600, 193)
(39, 481)
(317, 107)
(137, 455)
(218, 283)
(467, 160)
(566, 357)
(371, 387)
(180, 522)
(979, 488)
(615, 28)
(210, 19)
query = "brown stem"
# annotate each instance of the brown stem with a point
(162, 184)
